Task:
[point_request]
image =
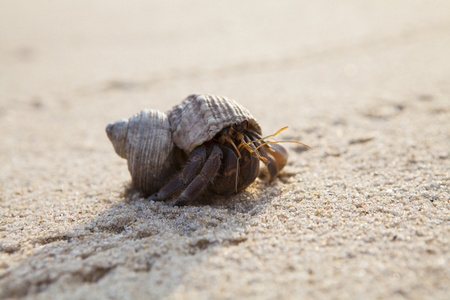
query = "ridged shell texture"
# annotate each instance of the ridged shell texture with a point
(200, 117)
(145, 140)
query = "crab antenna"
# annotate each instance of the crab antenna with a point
(254, 141)
(237, 175)
(247, 146)
(234, 145)
(276, 142)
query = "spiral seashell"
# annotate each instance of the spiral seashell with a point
(200, 117)
(145, 141)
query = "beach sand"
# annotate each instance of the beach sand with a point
(364, 216)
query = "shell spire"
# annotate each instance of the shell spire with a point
(145, 141)
(117, 134)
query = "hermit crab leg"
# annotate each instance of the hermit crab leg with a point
(230, 140)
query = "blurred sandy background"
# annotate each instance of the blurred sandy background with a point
(366, 83)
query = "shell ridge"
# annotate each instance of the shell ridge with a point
(148, 146)
(199, 118)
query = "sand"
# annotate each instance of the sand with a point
(364, 216)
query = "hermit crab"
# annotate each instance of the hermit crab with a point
(206, 142)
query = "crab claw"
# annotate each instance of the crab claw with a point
(279, 154)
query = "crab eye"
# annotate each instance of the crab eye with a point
(234, 129)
